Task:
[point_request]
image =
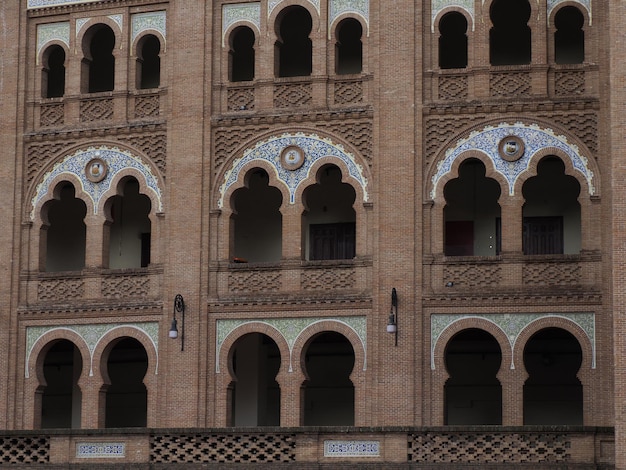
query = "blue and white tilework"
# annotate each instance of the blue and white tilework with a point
(55, 3)
(235, 12)
(154, 20)
(552, 4)
(116, 160)
(290, 329)
(92, 335)
(351, 448)
(437, 6)
(512, 325)
(339, 7)
(535, 139)
(314, 148)
(117, 19)
(100, 450)
(49, 32)
(272, 4)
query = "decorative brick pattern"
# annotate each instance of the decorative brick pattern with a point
(439, 131)
(444, 447)
(24, 450)
(147, 106)
(348, 92)
(241, 99)
(291, 95)
(507, 84)
(254, 281)
(120, 287)
(584, 125)
(473, 275)
(453, 87)
(569, 82)
(552, 274)
(153, 144)
(328, 278)
(39, 154)
(99, 109)
(61, 289)
(228, 139)
(52, 115)
(358, 133)
(222, 448)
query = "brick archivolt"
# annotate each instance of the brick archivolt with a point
(119, 163)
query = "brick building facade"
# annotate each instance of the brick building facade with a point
(312, 233)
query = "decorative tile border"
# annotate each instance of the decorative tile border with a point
(91, 335)
(535, 139)
(290, 329)
(552, 4)
(154, 20)
(272, 4)
(314, 148)
(358, 7)
(351, 448)
(512, 326)
(236, 12)
(54, 3)
(52, 32)
(437, 6)
(116, 161)
(100, 450)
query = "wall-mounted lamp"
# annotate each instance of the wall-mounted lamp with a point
(450, 284)
(179, 307)
(392, 325)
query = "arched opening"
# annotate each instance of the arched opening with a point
(328, 393)
(53, 74)
(329, 221)
(349, 47)
(126, 394)
(241, 55)
(509, 38)
(148, 62)
(99, 62)
(552, 393)
(473, 394)
(453, 41)
(61, 399)
(257, 221)
(472, 212)
(65, 234)
(551, 211)
(255, 392)
(569, 38)
(294, 48)
(130, 231)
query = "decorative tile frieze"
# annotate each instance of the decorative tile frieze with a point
(240, 12)
(117, 19)
(340, 7)
(154, 20)
(116, 160)
(290, 329)
(100, 450)
(314, 148)
(351, 448)
(512, 325)
(54, 3)
(437, 6)
(552, 4)
(535, 139)
(47, 33)
(272, 4)
(91, 335)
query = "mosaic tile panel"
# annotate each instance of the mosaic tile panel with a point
(52, 32)
(552, 4)
(117, 19)
(55, 3)
(272, 4)
(437, 6)
(236, 12)
(290, 329)
(512, 326)
(100, 450)
(154, 20)
(535, 139)
(314, 148)
(358, 7)
(351, 448)
(91, 335)
(116, 160)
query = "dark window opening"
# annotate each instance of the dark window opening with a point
(99, 59)
(332, 241)
(349, 47)
(53, 77)
(453, 41)
(149, 62)
(509, 38)
(543, 235)
(242, 55)
(569, 38)
(294, 47)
